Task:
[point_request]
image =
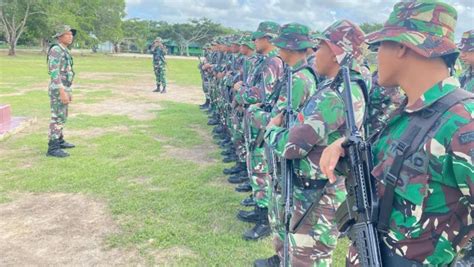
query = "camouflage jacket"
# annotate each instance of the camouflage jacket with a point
(467, 80)
(319, 123)
(248, 63)
(264, 77)
(434, 196)
(159, 52)
(60, 69)
(383, 101)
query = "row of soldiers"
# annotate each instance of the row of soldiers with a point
(275, 96)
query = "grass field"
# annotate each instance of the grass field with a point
(147, 158)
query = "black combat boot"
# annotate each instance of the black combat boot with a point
(218, 129)
(248, 202)
(213, 122)
(245, 187)
(164, 90)
(157, 89)
(54, 150)
(231, 158)
(64, 144)
(228, 152)
(239, 166)
(262, 227)
(205, 105)
(252, 216)
(238, 178)
(273, 261)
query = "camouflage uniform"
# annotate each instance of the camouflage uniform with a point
(265, 75)
(467, 46)
(159, 63)
(319, 122)
(434, 195)
(383, 101)
(60, 69)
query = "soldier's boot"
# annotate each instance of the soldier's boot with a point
(239, 166)
(228, 152)
(238, 178)
(262, 227)
(164, 90)
(245, 187)
(157, 89)
(218, 129)
(213, 121)
(273, 261)
(252, 216)
(65, 145)
(205, 105)
(231, 158)
(248, 202)
(54, 150)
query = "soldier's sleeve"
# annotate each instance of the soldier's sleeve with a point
(54, 61)
(461, 151)
(326, 116)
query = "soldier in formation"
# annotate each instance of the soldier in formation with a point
(275, 99)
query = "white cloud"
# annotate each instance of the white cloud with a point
(246, 14)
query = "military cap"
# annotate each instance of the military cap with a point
(235, 40)
(346, 40)
(425, 26)
(293, 36)
(467, 41)
(266, 29)
(247, 41)
(313, 35)
(62, 29)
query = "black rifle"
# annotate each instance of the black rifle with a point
(358, 213)
(287, 172)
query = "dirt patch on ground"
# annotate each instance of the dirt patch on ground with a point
(115, 106)
(59, 229)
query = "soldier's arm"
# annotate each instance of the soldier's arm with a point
(272, 71)
(461, 151)
(54, 60)
(277, 136)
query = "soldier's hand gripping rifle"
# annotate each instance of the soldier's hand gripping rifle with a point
(357, 214)
(287, 174)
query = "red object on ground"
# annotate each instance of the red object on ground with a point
(6, 122)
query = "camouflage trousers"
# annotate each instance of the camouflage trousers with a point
(314, 242)
(59, 113)
(260, 178)
(160, 73)
(237, 133)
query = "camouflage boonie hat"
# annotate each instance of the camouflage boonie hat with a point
(62, 29)
(345, 38)
(467, 41)
(425, 26)
(247, 41)
(235, 39)
(267, 28)
(314, 38)
(293, 36)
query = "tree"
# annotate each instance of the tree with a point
(197, 30)
(14, 15)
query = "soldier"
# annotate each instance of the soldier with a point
(205, 75)
(426, 195)
(60, 92)
(261, 97)
(467, 56)
(159, 64)
(319, 122)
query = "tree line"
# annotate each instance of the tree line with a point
(32, 23)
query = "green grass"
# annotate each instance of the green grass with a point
(180, 203)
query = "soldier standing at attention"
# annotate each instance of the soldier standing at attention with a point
(467, 56)
(423, 157)
(159, 64)
(60, 70)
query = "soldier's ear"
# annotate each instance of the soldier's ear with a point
(402, 50)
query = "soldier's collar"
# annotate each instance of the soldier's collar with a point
(431, 95)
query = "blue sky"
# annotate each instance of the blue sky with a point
(246, 14)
